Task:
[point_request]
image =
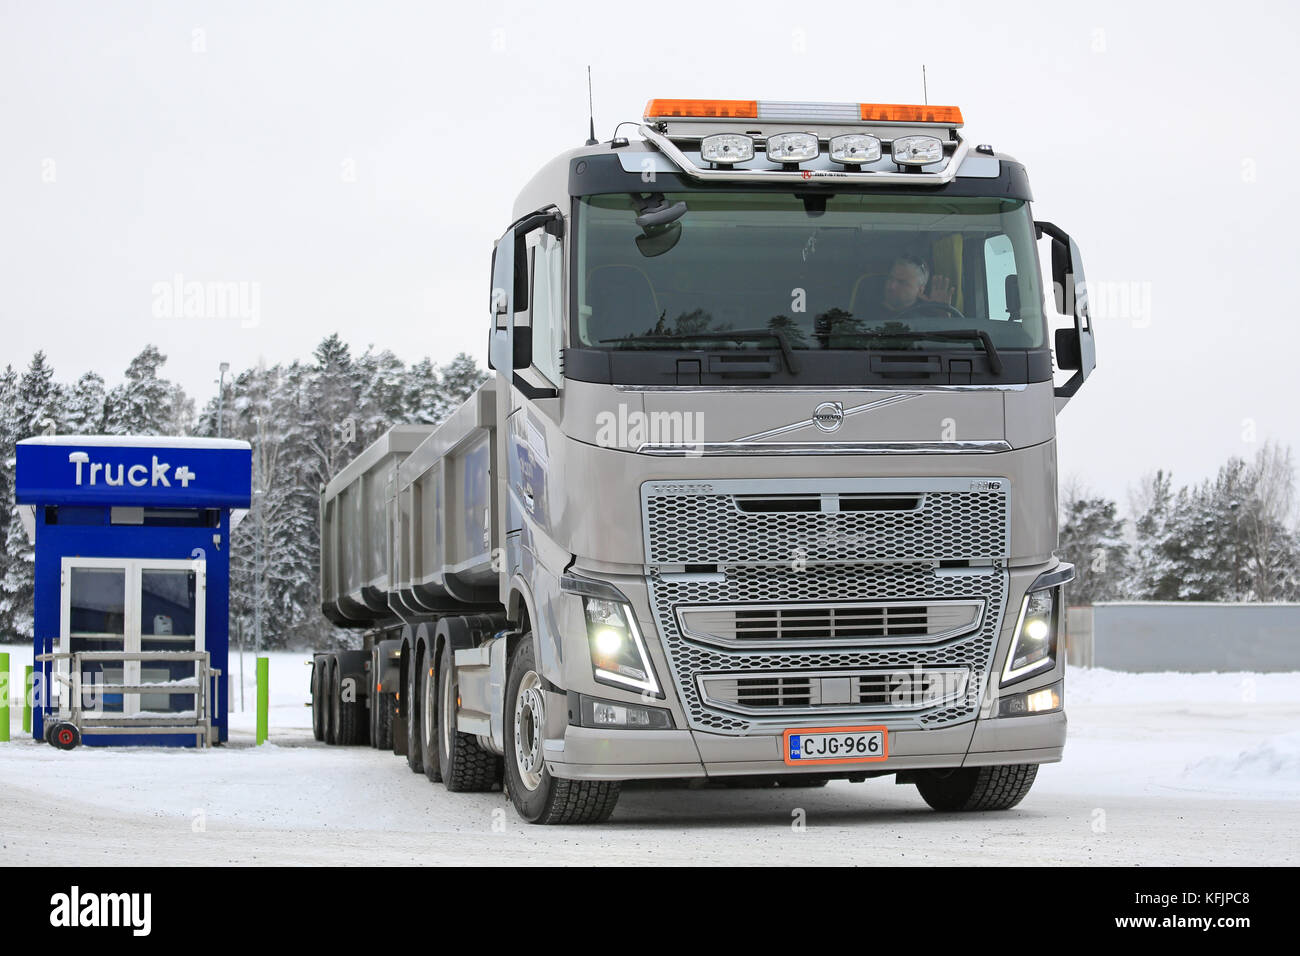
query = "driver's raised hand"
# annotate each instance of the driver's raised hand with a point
(941, 290)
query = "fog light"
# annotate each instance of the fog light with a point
(1041, 700)
(726, 148)
(791, 147)
(917, 150)
(592, 712)
(855, 148)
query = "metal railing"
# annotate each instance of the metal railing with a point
(95, 721)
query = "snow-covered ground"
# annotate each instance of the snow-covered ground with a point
(1158, 769)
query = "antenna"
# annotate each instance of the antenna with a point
(591, 110)
(925, 91)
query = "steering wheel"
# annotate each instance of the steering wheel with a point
(925, 308)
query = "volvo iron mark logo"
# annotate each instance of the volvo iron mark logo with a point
(828, 416)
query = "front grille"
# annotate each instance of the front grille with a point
(793, 625)
(898, 690)
(772, 704)
(856, 521)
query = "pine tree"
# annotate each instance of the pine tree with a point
(1092, 539)
(1155, 573)
(86, 405)
(146, 404)
(37, 408)
(8, 437)
(460, 378)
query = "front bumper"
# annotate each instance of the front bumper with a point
(600, 754)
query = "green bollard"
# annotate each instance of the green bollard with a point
(4, 697)
(27, 700)
(263, 696)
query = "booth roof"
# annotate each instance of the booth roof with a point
(137, 441)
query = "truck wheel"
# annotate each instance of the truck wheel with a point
(329, 713)
(382, 704)
(466, 767)
(977, 788)
(414, 758)
(429, 722)
(317, 700)
(539, 797)
(347, 714)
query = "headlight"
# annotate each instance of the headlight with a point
(618, 654)
(1034, 646)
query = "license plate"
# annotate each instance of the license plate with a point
(836, 745)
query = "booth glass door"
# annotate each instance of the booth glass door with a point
(118, 604)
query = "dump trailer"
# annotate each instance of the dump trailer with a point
(762, 488)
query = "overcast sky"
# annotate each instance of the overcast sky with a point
(351, 163)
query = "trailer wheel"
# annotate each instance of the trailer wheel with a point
(976, 788)
(65, 736)
(429, 721)
(317, 700)
(411, 707)
(329, 714)
(466, 767)
(382, 704)
(347, 714)
(537, 796)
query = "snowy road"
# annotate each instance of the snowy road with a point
(1204, 770)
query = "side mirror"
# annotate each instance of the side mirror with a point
(1080, 351)
(1067, 349)
(1011, 292)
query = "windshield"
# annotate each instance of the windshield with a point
(828, 272)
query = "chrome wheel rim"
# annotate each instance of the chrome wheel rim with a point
(530, 719)
(448, 711)
(430, 707)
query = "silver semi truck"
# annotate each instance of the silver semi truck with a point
(762, 488)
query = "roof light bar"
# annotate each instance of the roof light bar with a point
(899, 113)
(808, 112)
(706, 109)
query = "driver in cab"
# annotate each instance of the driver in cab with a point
(905, 287)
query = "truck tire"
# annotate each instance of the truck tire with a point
(348, 724)
(410, 705)
(465, 766)
(329, 715)
(429, 721)
(977, 788)
(317, 700)
(537, 796)
(382, 705)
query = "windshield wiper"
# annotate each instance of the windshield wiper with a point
(954, 335)
(740, 335)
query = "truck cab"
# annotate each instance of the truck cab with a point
(763, 487)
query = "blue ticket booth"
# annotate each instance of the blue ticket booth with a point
(132, 547)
